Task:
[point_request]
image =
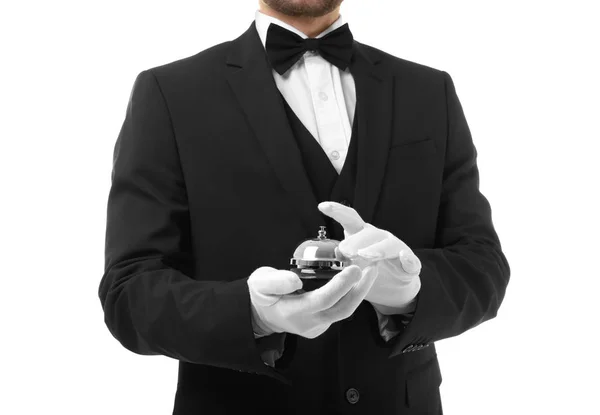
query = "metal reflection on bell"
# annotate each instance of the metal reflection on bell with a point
(315, 259)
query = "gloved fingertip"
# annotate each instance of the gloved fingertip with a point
(410, 262)
(353, 271)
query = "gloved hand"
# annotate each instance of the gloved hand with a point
(277, 309)
(398, 282)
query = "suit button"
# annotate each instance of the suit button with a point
(352, 395)
(409, 348)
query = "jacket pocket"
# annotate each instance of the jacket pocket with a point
(410, 142)
(409, 149)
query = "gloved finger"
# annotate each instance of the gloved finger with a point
(410, 262)
(346, 306)
(386, 248)
(341, 257)
(368, 236)
(344, 215)
(324, 297)
(271, 281)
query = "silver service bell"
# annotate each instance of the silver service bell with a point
(316, 259)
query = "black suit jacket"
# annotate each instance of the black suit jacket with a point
(208, 185)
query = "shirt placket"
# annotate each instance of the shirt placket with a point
(332, 136)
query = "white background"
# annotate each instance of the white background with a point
(528, 77)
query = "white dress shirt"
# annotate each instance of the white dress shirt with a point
(320, 94)
(323, 97)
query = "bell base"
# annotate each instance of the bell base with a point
(314, 278)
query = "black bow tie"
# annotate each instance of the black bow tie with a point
(285, 47)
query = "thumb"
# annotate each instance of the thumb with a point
(410, 263)
(277, 282)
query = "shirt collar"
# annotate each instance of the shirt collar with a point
(263, 21)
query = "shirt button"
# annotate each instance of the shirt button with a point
(323, 96)
(352, 395)
(335, 155)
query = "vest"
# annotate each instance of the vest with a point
(326, 183)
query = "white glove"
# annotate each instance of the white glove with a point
(398, 282)
(277, 308)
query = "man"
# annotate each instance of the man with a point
(230, 158)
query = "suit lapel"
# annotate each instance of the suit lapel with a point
(374, 98)
(250, 77)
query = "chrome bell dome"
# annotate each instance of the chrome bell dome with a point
(316, 258)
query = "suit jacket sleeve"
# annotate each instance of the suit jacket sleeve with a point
(465, 275)
(151, 302)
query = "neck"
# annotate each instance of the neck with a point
(310, 26)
